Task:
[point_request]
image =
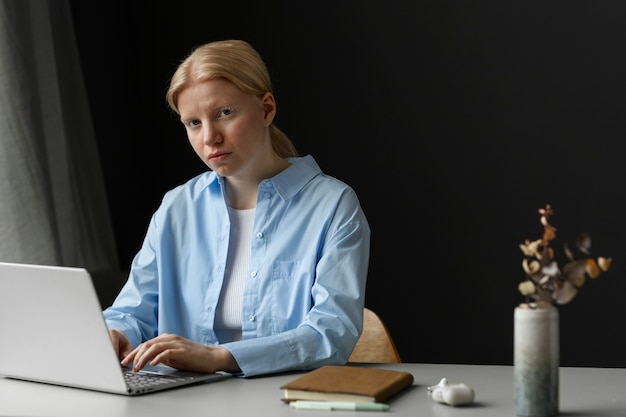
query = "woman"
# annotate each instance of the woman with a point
(256, 266)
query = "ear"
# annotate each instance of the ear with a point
(269, 108)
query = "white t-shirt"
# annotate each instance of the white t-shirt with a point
(228, 317)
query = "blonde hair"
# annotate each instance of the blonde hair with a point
(237, 62)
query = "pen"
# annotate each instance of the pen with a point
(338, 405)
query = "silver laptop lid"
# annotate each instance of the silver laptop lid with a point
(53, 331)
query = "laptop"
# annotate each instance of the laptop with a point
(52, 331)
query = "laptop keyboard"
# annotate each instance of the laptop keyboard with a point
(143, 379)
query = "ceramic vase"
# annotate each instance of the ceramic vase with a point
(536, 362)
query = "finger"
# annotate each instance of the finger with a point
(146, 352)
(168, 356)
(140, 357)
(129, 357)
(149, 350)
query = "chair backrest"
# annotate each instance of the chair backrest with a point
(375, 344)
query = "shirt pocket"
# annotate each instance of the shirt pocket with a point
(290, 295)
(285, 270)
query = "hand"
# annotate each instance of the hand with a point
(120, 343)
(181, 353)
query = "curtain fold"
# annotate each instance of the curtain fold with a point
(53, 205)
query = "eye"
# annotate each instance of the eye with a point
(192, 123)
(225, 112)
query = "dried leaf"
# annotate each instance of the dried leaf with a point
(547, 211)
(604, 263)
(531, 267)
(574, 272)
(526, 288)
(583, 243)
(549, 233)
(568, 252)
(565, 293)
(552, 269)
(530, 248)
(592, 269)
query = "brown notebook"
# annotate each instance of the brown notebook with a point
(347, 383)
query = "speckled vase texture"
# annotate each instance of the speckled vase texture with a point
(536, 362)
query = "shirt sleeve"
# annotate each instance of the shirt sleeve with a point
(134, 310)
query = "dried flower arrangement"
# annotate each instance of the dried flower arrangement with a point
(546, 284)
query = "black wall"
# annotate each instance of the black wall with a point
(454, 122)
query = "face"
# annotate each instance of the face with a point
(228, 129)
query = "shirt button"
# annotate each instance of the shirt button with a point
(267, 195)
(251, 318)
(259, 235)
(253, 274)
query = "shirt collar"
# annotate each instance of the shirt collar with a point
(288, 182)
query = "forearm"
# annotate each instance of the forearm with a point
(299, 349)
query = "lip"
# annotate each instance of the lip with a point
(218, 156)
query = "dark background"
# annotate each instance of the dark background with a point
(453, 121)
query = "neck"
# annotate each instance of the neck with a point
(242, 192)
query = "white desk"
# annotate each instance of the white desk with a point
(596, 392)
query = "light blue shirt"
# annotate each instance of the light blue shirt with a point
(304, 295)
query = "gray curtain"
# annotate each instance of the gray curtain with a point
(53, 205)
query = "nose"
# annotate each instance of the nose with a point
(211, 135)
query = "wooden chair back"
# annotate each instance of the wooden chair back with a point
(375, 344)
